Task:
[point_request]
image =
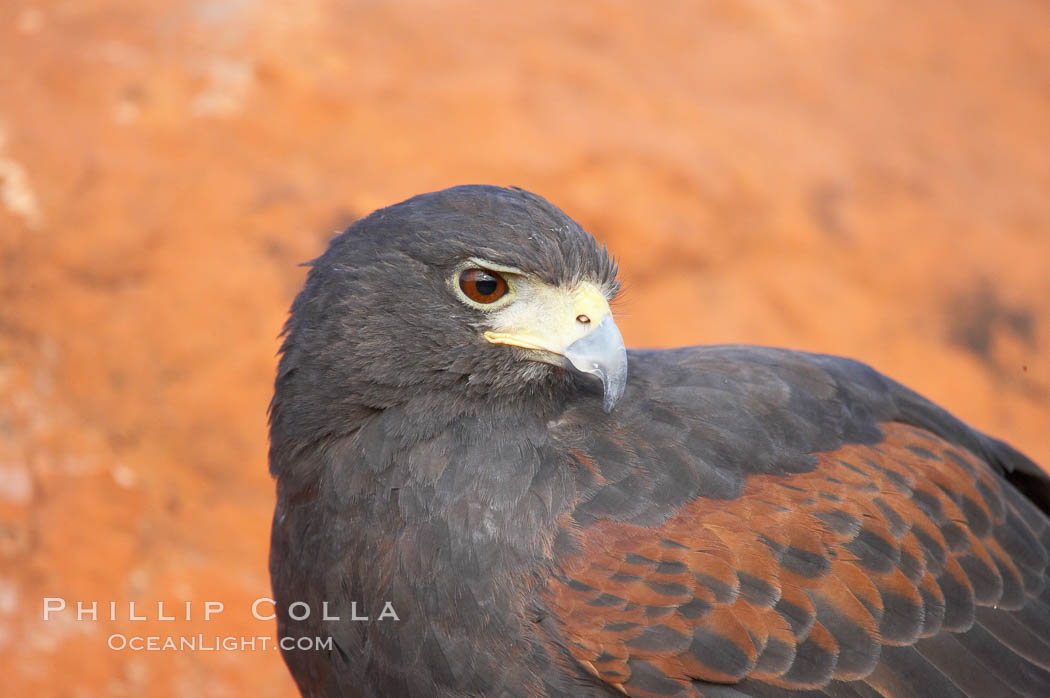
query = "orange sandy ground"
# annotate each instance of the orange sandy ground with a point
(870, 180)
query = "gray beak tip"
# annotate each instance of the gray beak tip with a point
(602, 353)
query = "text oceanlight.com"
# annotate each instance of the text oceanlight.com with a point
(213, 643)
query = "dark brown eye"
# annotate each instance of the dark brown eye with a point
(482, 286)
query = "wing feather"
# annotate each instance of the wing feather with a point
(903, 567)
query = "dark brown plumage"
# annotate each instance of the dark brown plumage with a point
(804, 580)
(717, 521)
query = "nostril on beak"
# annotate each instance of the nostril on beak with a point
(583, 319)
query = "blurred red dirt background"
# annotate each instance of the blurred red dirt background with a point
(869, 179)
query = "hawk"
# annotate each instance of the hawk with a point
(458, 434)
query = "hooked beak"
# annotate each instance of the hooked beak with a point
(602, 353)
(572, 328)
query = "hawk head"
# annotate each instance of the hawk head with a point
(448, 300)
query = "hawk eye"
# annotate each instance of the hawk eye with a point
(482, 286)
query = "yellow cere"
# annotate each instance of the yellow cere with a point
(544, 317)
